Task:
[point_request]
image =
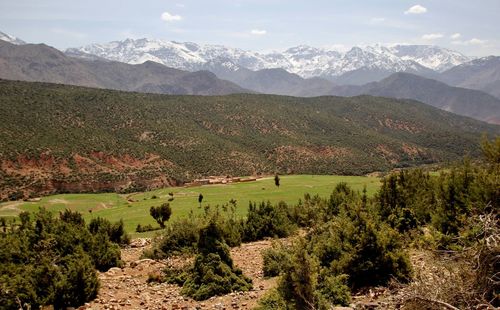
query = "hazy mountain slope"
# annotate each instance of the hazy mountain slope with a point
(67, 138)
(272, 81)
(376, 61)
(482, 74)
(467, 102)
(43, 63)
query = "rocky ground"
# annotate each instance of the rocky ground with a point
(127, 288)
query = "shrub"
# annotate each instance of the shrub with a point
(406, 199)
(114, 231)
(335, 289)
(143, 228)
(175, 275)
(72, 217)
(266, 220)
(179, 237)
(213, 272)
(275, 259)
(52, 261)
(299, 281)
(104, 253)
(78, 282)
(356, 243)
(182, 235)
(308, 212)
(272, 301)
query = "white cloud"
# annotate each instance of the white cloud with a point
(375, 20)
(432, 36)
(416, 9)
(473, 41)
(455, 36)
(166, 16)
(258, 32)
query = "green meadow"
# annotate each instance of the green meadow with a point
(134, 208)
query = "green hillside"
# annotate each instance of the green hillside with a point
(56, 138)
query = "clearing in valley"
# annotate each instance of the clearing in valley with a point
(134, 208)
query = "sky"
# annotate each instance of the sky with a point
(470, 27)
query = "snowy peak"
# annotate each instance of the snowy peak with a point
(306, 61)
(11, 39)
(433, 57)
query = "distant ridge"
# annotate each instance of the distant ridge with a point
(481, 74)
(466, 102)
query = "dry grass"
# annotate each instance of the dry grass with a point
(467, 279)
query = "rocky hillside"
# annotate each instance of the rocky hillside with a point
(56, 138)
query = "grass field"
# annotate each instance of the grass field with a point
(134, 208)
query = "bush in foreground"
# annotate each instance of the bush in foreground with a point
(52, 261)
(213, 272)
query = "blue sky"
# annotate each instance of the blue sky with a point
(471, 27)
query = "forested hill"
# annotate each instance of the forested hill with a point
(56, 138)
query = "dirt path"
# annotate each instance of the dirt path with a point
(12, 206)
(127, 288)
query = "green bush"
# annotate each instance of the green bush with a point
(143, 228)
(406, 199)
(52, 261)
(114, 231)
(298, 284)
(180, 236)
(78, 283)
(335, 289)
(272, 301)
(275, 259)
(266, 220)
(213, 272)
(356, 243)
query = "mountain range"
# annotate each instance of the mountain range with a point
(436, 76)
(358, 65)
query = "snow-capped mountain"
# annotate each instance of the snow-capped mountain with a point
(11, 39)
(303, 60)
(433, 57)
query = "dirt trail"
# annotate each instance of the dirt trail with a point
(14, 206)
(127, 288)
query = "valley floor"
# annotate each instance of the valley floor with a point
(133, 209)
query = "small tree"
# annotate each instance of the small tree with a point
(200, 199)
(161, 214)
(277, 180)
